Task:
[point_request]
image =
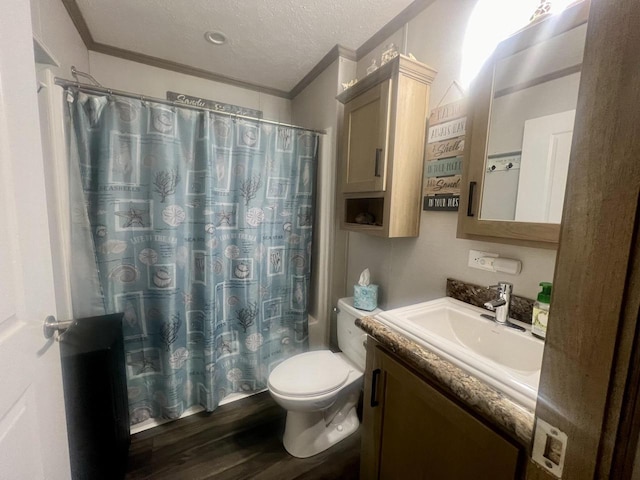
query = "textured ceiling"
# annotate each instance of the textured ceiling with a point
(273, 43)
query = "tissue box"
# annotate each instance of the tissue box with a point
(365, 297)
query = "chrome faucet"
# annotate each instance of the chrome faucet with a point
(501, 304)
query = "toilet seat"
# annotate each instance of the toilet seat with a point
(309, 374)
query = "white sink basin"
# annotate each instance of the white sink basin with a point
(503, 357)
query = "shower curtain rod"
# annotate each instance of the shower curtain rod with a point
(63, 82)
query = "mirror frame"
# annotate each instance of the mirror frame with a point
(470, 226)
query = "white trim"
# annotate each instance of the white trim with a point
(51, 113)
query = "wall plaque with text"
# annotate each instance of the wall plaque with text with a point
(445, 146)
(212, 105)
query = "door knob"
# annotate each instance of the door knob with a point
(51, 325)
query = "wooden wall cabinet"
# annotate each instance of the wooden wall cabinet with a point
(382, 150)
(411, 430)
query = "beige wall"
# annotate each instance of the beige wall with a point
(129, 76)
(411, 270)
(315, 107)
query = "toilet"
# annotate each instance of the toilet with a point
(320, 389)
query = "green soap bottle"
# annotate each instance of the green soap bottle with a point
(541, 311)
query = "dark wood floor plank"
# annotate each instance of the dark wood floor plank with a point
(211, 459)
(241, 440)
(340, 462)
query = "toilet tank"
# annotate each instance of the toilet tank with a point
(351, 338)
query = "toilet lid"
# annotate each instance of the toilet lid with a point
(308, 374)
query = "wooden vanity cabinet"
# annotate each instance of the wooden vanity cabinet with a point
(411, 430)
(382, 153)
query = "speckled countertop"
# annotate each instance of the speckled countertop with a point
(479, 397)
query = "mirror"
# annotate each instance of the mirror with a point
(532, 110)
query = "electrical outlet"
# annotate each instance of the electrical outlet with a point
(482, 260)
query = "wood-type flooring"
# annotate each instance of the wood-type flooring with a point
(240, 440)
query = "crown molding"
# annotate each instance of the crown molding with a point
(79, 22)
(185, 69)
(335, 53)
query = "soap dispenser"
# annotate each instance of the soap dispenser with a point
(541, 311)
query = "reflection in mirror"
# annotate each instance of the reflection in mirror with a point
(535, 92)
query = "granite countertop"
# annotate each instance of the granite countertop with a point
(479, 397)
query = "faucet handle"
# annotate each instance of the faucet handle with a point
(503, 287)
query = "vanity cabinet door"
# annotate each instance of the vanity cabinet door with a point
(366, 134)
(410, 430)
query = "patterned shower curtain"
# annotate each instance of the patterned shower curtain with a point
(201, 228)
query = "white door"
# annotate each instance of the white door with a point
(546, 147)
(33, 439)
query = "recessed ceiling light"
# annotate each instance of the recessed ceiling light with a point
(216, 37)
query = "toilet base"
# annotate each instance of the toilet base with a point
(307, 433)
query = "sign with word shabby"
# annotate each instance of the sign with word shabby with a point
(445, 146)
(181, 98)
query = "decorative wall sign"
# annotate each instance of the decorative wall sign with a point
(445, 131)
(212, 104)
(442, 185)
(445, 146)
(446, 166)
(442, 203)
(447, 112)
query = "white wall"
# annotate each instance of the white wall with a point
(315, 107)
(53, 28)
(129, 76)
(411, 270)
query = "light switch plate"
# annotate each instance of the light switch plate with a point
(549, 447)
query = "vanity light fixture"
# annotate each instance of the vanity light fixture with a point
(216, 37)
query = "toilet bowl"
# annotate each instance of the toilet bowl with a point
(320, 389)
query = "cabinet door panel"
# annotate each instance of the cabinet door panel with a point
(427, 436)
(366, 140)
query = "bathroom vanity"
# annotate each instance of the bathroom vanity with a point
(413, 429)
(439, 405)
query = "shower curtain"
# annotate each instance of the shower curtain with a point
(198, 227)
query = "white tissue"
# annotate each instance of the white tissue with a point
(365, 278)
